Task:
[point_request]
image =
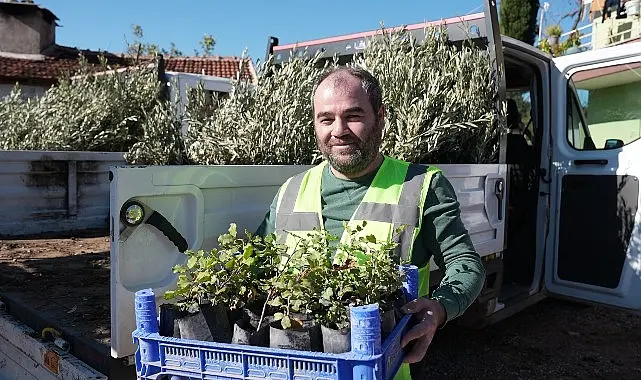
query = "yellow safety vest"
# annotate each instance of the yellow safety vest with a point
(395, 198)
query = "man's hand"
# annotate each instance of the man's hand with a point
(429, 314)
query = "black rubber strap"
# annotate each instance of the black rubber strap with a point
(162, 224)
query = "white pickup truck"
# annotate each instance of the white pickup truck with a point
(557, 216)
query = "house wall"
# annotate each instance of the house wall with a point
(26, 33)
(28, 91)
(615, 113)
(615, 31)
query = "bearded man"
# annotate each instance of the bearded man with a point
(356, 183)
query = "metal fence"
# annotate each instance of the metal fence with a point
(43, 191)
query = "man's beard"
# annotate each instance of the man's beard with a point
(354, 158)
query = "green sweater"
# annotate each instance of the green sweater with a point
(443, 235)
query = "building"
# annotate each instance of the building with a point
(610, 95)
(611, 22)
(30, 56)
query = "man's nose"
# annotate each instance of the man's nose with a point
(340, 127)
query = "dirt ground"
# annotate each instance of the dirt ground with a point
(66, 279)
(553, 339)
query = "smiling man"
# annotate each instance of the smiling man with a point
(356, 182)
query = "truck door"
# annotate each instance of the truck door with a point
(594, 241)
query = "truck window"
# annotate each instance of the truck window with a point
(610, 100)
(519, 113)
(577, 133)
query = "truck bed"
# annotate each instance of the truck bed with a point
(60, 282)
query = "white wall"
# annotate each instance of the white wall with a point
(43, 191)
(28, 91)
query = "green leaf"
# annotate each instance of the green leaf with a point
(191, 262)
(286, 322)
(371, 238)
(203, 276)
(278, 316)
(328, 294)
(232, 229)
(183, 281)
(276, 302)
(170, 294)
(249, 249)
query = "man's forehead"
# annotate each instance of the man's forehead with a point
(341, 79)
(340, 84)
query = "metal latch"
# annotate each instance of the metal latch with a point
(499, 191)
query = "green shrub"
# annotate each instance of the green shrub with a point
(83, 113)
(441, 103)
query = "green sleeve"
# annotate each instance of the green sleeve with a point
(268, 225)
(446, 238)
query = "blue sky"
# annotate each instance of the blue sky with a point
(237, 25)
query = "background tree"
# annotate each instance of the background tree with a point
(518, 19)
(576, 14)
(138, 47)
(206, 45)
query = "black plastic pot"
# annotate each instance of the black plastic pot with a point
(388, 322)
(194, 326)
(399, 302)
(169, 315)
(252, 315)
(218, 321)
(246, 334)
(336, 341)
(210, 323)
(307, 337)
(245, 329)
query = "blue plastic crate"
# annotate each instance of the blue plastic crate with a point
(160, 357)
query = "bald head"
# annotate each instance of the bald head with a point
(342, 77)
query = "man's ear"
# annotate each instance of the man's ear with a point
(381, 113)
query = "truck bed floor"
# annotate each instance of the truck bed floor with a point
(64, 279)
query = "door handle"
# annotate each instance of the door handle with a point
(499, 191)
(591, 162)
(134, 213)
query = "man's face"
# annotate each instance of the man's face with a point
(348, 131)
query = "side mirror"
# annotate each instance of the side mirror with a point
(613, 144)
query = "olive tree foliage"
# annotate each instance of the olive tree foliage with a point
(85, 112)
(441, 100)
(266, 123)
(441, 107)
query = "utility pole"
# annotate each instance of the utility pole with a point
(544, 9)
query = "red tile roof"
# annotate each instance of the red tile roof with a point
(224, 67)
(47, 67)
(45, 70)
(54, 62)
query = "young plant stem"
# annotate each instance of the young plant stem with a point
(271, 290)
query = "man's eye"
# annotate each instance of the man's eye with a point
(325, 121)
(354, 117)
